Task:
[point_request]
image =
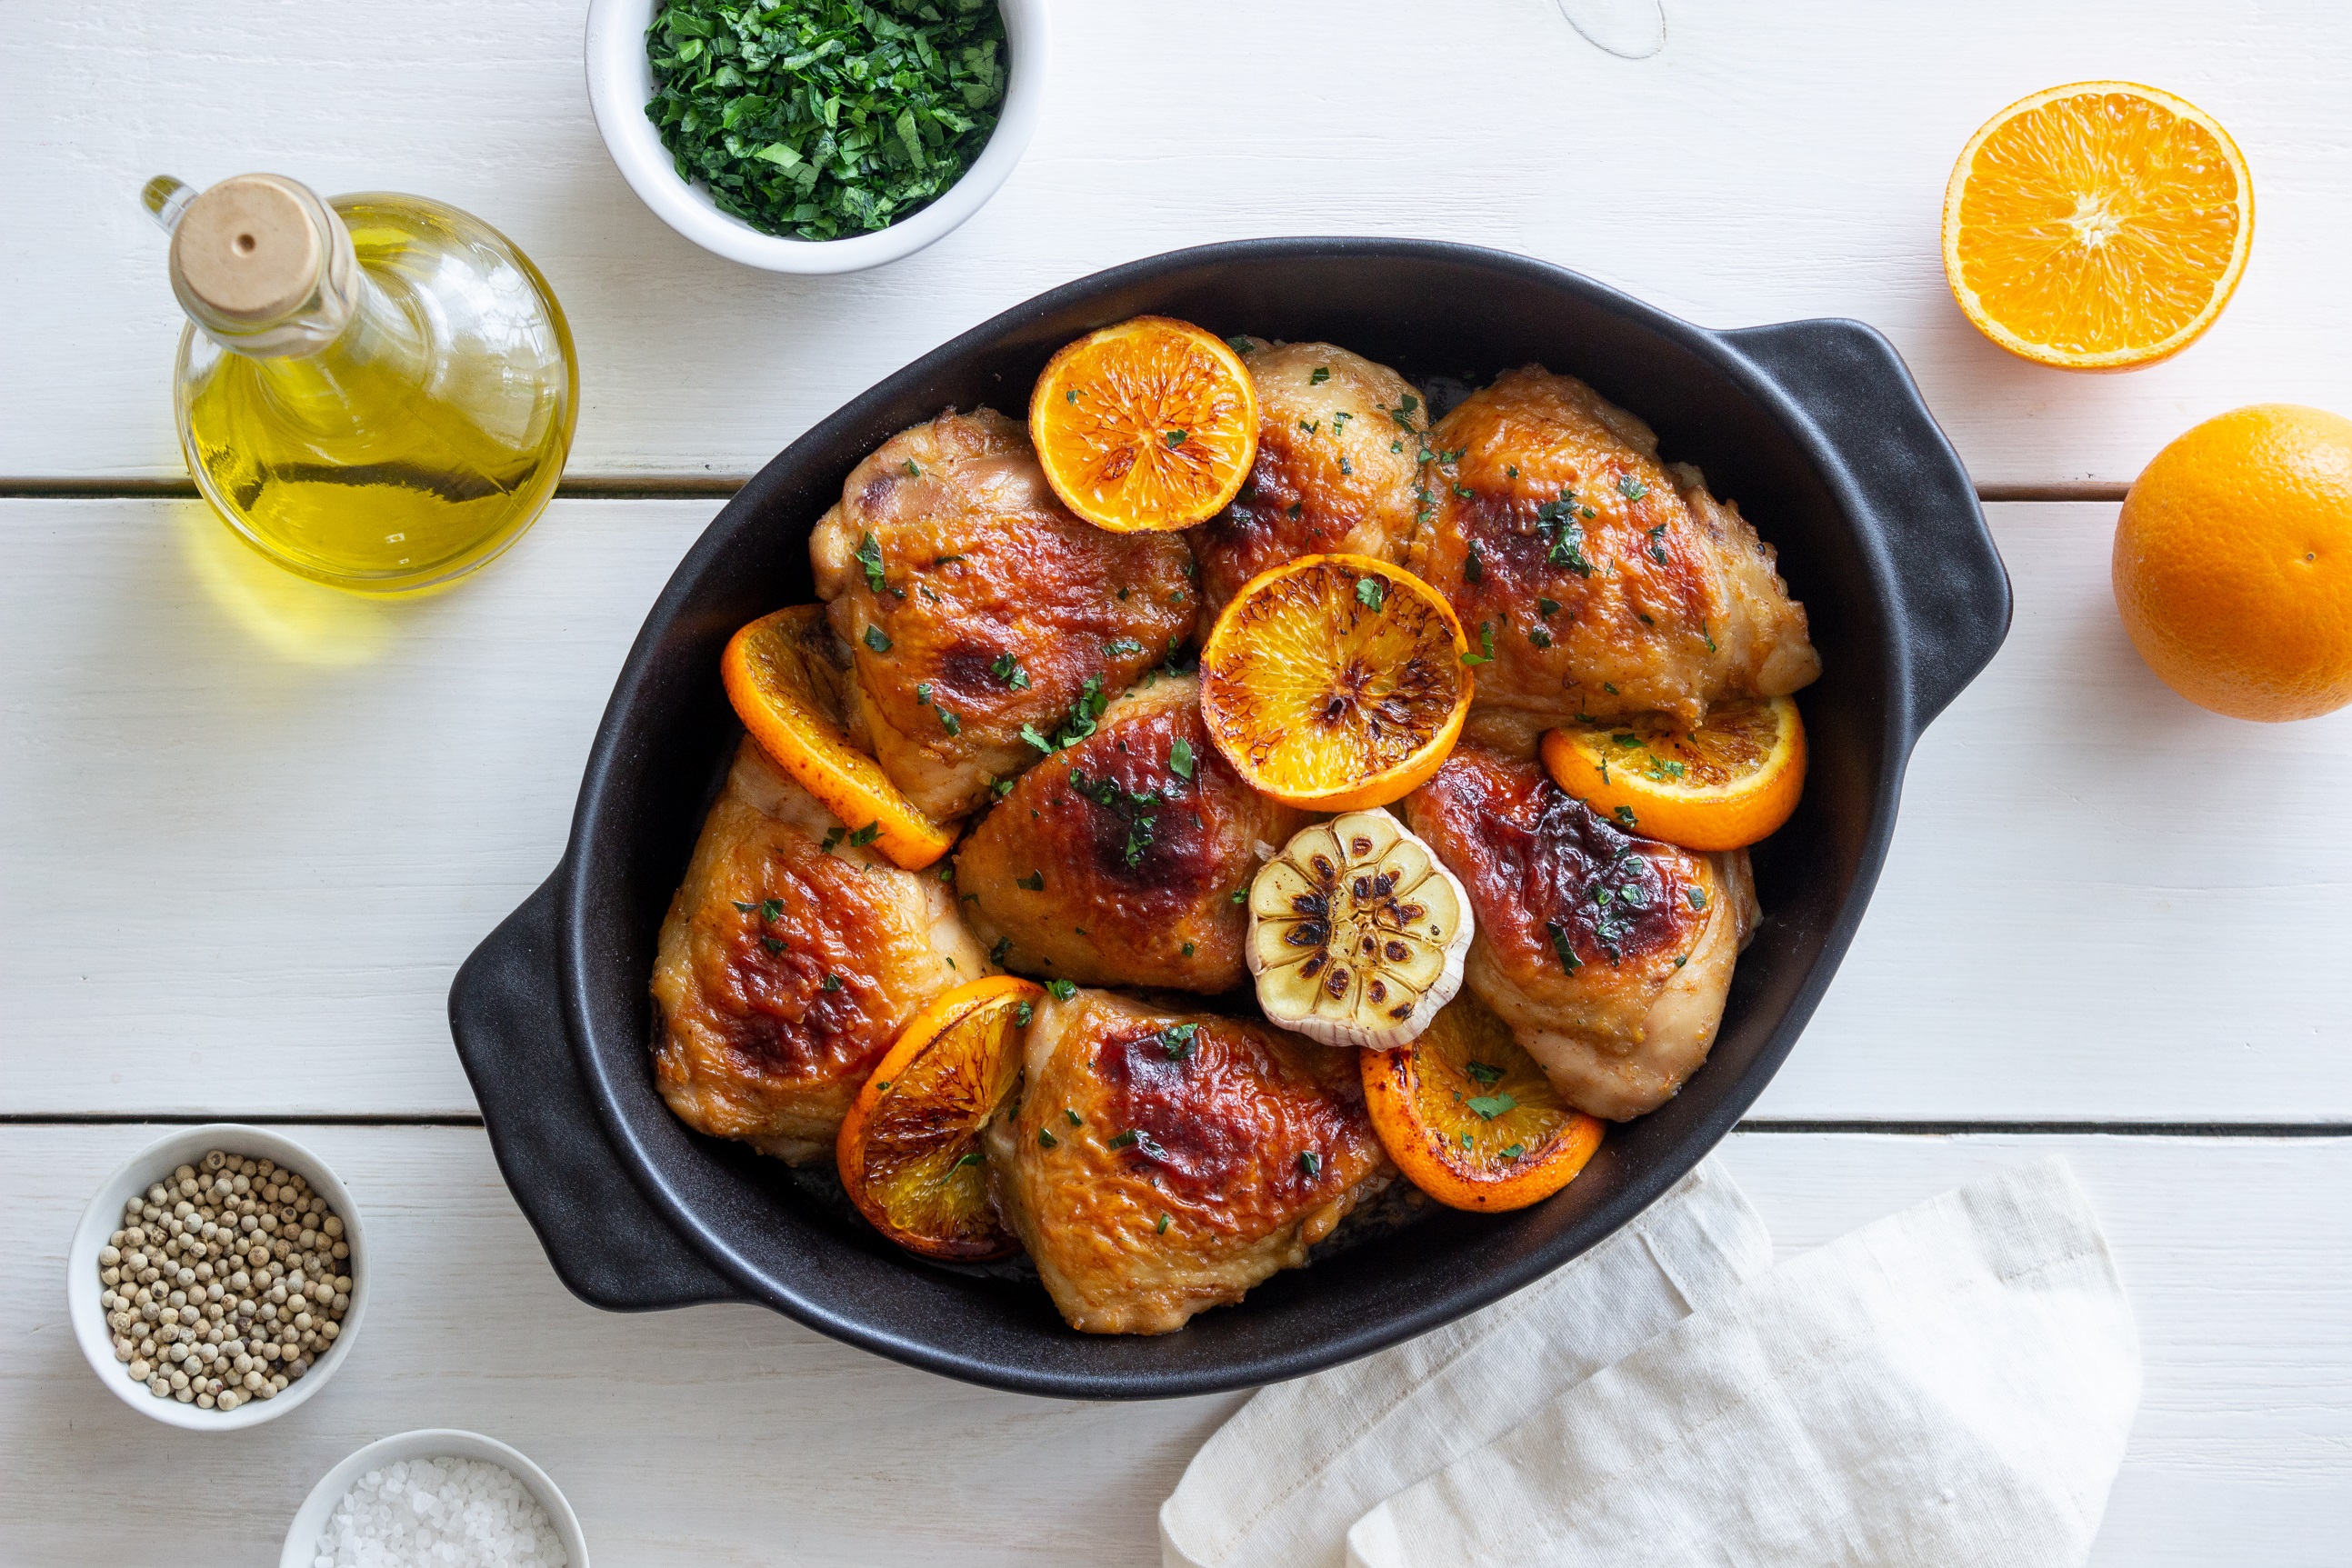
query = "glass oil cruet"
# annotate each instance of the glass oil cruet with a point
(376, 391)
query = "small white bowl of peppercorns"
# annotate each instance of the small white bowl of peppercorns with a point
(217, 1278)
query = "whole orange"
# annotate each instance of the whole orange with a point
(2233, 563)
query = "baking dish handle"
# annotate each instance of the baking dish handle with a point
(1951, 607)
(607, 1244)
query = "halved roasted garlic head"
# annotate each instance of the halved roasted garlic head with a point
(1356, 932)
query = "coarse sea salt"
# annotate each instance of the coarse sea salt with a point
(440, 1513)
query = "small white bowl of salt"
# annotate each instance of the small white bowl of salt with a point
(432, 1498)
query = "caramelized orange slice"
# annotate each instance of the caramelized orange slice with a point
(909, 1151)
(1726, 782)
(1470, 1118)
(1152, 423)
(782, 677)
(1335, 682)
(2097, 227)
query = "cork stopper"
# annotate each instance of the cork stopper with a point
(248, 250)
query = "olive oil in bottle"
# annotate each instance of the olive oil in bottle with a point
(376, 392)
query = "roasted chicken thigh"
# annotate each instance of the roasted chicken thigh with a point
(1339, 464)
(1609, 955)
(1116, 862)
(1610, 582)
(1160, 1163)
(788, 961)
(974, 604)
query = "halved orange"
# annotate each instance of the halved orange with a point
(2097, 227)
(1725, 782)
(781, 676)
(1471, 1119)
(1150, 424)
(909, 1151)
(1335, 682)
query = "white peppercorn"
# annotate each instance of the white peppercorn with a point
(218, 1289)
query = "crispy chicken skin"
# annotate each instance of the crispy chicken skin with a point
(1107, 866)
(1628, 1012)
(1338, 459)
(756, 1043)
(1250, 1142)
(996, 604)
(1662, 598)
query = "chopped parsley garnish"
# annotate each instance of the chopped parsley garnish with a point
(1242, 345)
(1538, 636)
(1371, 592)
(1241, 895)
(820, 119)
(869, 556)
(1175, 439)
(1035, 881)
(1007, 669)
(1046, 1140)
(1121, 648)
(1320, 374)
(1490, 1106)
(1179, 758)
(922, 693)
(1188, 949)
(865, 835)
(1125, 1140)
(1022, 1013)
(833, 982)
(1346, 467)
(1485, 644)
(1632, 489)
(832, 837)
(1136, 811)
(1163, 1225)
(1697, 896)
(973, 1158)
(1487, 1077)
(1062, 991)
(914, 469)
(996, 954)
(1311, 1163)
(877, 640)
(771, 945)
(1657, 537)
(1558, 520)
(1562, 948)
(1176, 1040)
(1515, 1151)
(1546, 606)
(949, 722)
(1073, 1115)
(1473, 568)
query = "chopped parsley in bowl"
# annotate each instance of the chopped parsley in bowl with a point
(820, 120)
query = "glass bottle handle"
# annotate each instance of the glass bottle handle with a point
(166, 200)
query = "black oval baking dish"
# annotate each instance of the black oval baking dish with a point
(1814, 427)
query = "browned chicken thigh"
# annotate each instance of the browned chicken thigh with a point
(1163, 1163)
(789, 961)
(1116, 862)
(1609, 583)
(1609, 955)
(1339, 462)
(974, 604)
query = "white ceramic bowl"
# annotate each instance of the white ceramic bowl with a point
(621, 83)
(103, 1217)
(431, 1443)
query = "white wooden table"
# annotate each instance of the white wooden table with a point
(248, 829)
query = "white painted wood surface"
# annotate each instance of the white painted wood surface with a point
(725, 1435)
(1772, 161)
(254, 826)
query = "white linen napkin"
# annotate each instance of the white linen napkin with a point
(1279, 1484)
(1948, 1387)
